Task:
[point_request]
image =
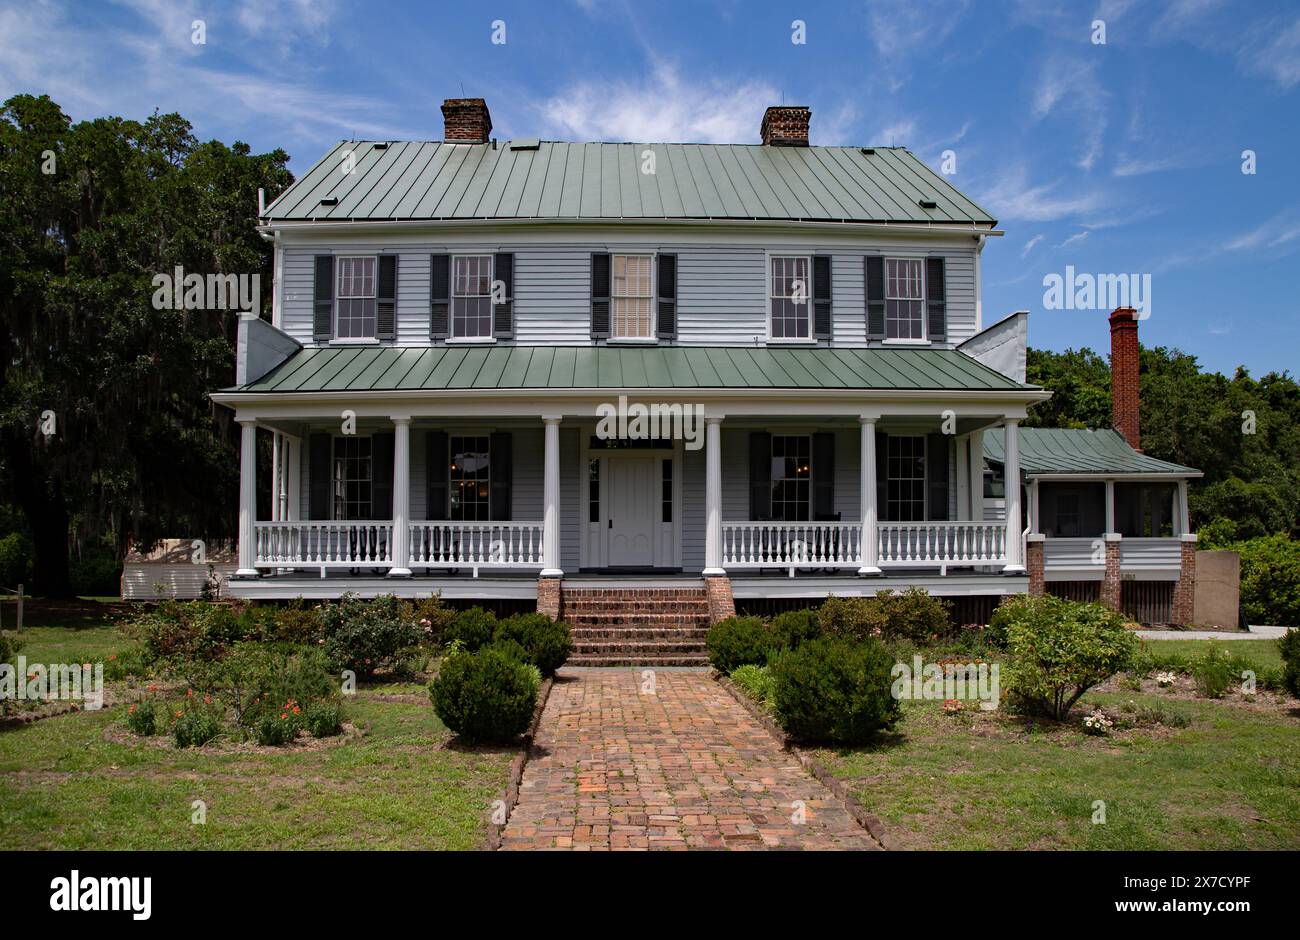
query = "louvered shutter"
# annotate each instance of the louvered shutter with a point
(437, 469)
(386, 299)
(936, 307)
(600, 296)
(666, 312)
(823, 476)
(501, 468)
(439, 295)
(760, 476)
(318, 477)
(821, 296)
(875, 277)
(503, 314)
(381, 475)
(322, 322)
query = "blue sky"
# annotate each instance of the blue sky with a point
(1123, 157)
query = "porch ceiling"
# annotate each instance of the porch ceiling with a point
(390, 368)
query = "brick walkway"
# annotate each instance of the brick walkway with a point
(684, 768)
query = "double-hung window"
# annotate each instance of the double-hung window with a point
(791, 291)
(353, 480)
(791, 477)
(355, 315)
(904, 298)
(470, 477)
(471, 296)
(905, 476)
(633, 298)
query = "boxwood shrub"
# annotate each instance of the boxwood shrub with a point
(1290, 645)
(546, 642)
(473, 628)
(793, 627)
(739, 641)
(834, 690)
(488, 696)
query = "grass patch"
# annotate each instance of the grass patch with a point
(1229, 779)
(1263, 654)
(65, 784)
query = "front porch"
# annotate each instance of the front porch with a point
(479, 506)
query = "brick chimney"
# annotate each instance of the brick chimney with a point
(786, 126)
(1125, 396)
(466, 121)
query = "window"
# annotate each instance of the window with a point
(356, 304)
(352, 477)
(1145, 510)
(632, 297)
(593, 490)
(791, 289)
(791, 476)
(471, 296)
(470, 479)
(1071, 509)
(666, 486)
(905, 476)
(904, 299)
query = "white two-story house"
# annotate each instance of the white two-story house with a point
(453, 319)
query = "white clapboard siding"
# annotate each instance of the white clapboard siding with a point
(155, 580)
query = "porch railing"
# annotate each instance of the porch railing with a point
(791, 545)
(351, 544)
(476, 544)
(901, 544)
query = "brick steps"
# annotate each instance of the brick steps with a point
(637, 626)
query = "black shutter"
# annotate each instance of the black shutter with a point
(503, 314)
(760, 476)
(318, 477)
(437, 469)
(875, 275)
(439, 295)
(823, 476)
(386, 299)
(600, 296)
(936, 473)
(322, 323)
(936, 307)
(821, 296)
(500, 469)
(882, 476)
(666, 323)
(381, 475)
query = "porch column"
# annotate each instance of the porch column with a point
(1184, 517)
(247, 498)
(1015, 561)
(713, 497)
(976, 457)
(275, 477)
(401, 548)
(1033, 507)
(867, 497)
(551, 500)
(1110, 507)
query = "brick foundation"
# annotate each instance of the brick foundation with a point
(1184, 603)
(1034, 565)
(1112, 582)
(548, 597)
(721, 603)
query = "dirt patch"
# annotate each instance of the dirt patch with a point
(1263, 701)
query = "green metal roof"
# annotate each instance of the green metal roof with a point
(1045, 451)
(391, 368)
(417, 180)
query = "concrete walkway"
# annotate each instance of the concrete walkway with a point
(1255, 633)
(619, 763)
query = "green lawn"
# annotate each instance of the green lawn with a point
(1264, 654)
(1230, 779)
(79, 782)
(73, 783)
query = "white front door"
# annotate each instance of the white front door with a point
(631, 508)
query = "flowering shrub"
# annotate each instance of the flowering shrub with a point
(851, 618)
(323, 719)
(952, 706)
(142, 718)
(1165, 679)
(367, 636)
(196, 723)
(1214, 672)
(193, 631)
(280, 725)
(1097, 723)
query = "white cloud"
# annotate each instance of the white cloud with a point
(1279, 231)
(1273, 50)
(1073, 85)
(897, 134)
(900, 28)
(835, 126)
(1013, 197)
(1073, 239)
(1030, 245)
(662, 106)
